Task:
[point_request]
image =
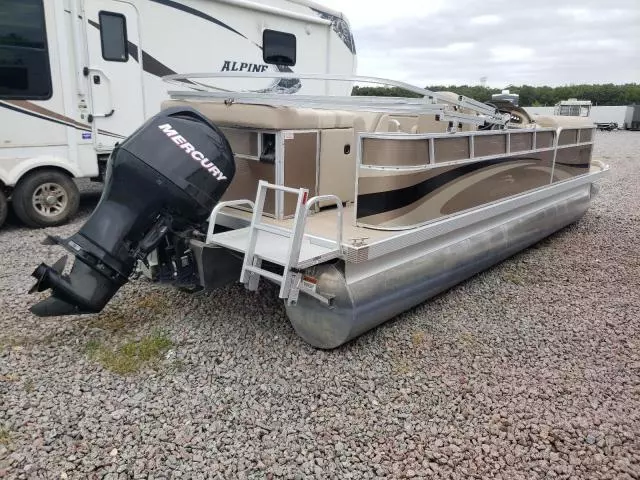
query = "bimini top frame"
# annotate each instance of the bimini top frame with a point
(448, 107)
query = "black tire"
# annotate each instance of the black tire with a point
(52, 186)
(3, 208)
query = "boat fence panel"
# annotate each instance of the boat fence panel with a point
(484, 146)
(544, 139)
(521, 141)
(573, 157)
(409, 153)
(568, 136)
(586, 135)
(404, 181)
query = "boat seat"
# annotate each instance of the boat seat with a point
(403, 123)
(555, 121)
(288, 118)
(271, 117)
(338, 130)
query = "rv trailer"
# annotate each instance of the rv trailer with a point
(573, 108)
(356, 208)
(632, 118)
(506, 96)
(78, 76)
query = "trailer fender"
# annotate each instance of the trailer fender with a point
(13, 169)
(3, 207)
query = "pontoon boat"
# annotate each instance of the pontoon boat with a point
(358, 208)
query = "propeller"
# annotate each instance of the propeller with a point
(60, 264)
(41, 271)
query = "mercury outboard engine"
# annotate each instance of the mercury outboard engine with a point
(165, 177)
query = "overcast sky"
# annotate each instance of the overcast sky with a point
(543, 42)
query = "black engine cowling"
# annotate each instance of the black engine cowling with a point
(165, 177)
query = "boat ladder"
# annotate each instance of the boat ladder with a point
(289, 248)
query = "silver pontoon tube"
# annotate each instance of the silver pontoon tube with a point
(365, 300)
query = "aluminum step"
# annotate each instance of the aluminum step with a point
(274, 247)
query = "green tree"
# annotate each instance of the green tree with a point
(599, 94)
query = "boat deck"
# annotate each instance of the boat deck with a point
(273, 247)
(321, 224)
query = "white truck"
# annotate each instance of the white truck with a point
(77, 76)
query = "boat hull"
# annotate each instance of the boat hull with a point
(369, 294)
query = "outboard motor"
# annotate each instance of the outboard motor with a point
(165, 177)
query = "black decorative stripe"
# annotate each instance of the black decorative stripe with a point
(42, 117)
(109, 134)
(340, 27)
(132, 48)
(575, 165)
(55, 120)
(150, 64)
(381, 202)
(155, 67)
(197, 13)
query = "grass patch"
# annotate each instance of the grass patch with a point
(5, 436)
(154, 303)
(131, 356)
(16, 344)
(120, 318)
(112, 321)
(417, 338)
(468, 340)
(401, 367)
(513, 278)
(29, 385)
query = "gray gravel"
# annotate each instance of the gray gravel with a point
(529, 370)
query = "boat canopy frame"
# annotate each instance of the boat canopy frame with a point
(431, 102)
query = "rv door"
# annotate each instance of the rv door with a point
(114, 71)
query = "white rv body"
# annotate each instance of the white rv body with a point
(94, 102)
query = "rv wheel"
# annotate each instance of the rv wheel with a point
(3, 208)
(45, 198)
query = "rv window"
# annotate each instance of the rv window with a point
(278, 48)
(24, 58)
(113, 37)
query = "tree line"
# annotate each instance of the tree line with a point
(602, 94)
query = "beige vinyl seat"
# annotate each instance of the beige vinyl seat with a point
(267, 116)
(288, 118)
(338, 129)
(338, 133)
(555, 121)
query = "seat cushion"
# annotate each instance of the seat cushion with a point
(564, 121)
(266, 116)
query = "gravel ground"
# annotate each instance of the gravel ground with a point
(529, 370)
